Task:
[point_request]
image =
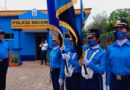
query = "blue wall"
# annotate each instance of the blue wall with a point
(28, 46)
(26, 41)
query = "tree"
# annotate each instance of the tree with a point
(100, 21)
(119, 13)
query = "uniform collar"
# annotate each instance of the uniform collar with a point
(125, 42)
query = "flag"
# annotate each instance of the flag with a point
(66, 15)
(55, 29)
(82, 14)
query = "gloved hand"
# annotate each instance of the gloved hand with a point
(85, 61)
(107, 87)
(60, 82)
(65, 56)
(62, 48)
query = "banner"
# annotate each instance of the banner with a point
(22, 24)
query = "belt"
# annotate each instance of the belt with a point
(119, 77)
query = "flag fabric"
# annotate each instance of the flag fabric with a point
(82, 14)
(55, 29)
(66, 15)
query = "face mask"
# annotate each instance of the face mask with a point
(119, 34)
(92, 42)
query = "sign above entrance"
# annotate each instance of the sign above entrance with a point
(29, 24)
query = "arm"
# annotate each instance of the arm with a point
(62, 72)
(101, 67)
(108, 69)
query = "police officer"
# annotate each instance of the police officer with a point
(73, 74)
(93, 64)
(5, 55)
(56, 65)
(118, 59)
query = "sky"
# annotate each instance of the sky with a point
(98, 6)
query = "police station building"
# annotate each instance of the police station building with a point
(26, 29)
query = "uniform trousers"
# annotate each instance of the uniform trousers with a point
(3, 73)
(116, 84)
(92, 84)
(43, 56)
(73, 82)
(55, 73)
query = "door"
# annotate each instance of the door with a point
(39, 38)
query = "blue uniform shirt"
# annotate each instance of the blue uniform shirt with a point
(4, 49)
(74, 62)
(73, 58)
(98, 62)
(56, 60)
(118, 60)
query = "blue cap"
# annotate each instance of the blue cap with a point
(122, 23)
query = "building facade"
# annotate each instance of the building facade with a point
(26, 29)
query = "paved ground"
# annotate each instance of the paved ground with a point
(29, 76)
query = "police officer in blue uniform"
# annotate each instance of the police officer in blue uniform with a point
(118, 59)
(93, 64)
(73, 75)
(56, 65)
(5, 55)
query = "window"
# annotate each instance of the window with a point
(9, 36)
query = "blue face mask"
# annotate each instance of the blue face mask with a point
(92, 42)
(119, 34)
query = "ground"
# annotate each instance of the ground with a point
(29, 76)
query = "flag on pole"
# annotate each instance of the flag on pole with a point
(66, 15)
(55, 29)
(82, 14)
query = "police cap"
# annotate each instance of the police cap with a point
(93, 32)
(122, 23)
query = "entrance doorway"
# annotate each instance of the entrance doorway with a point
(39, 38)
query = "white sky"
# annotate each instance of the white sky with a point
(98, 6)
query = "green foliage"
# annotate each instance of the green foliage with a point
(105, 24)
(15, 59)
(119, 13)
(101, 22)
